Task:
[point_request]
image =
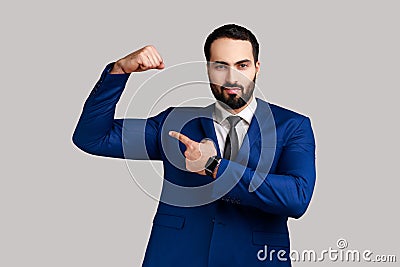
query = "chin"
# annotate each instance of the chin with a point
(235, 103)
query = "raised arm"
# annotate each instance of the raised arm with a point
(98, 133)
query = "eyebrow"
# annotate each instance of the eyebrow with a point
(236, 63)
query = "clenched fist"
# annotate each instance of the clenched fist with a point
(143, 59)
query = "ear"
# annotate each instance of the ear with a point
(257, 68)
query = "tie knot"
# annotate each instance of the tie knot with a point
(233, 120)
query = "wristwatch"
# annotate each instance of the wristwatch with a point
(211, 164)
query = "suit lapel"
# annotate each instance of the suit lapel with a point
(207, 123)
(261, 131)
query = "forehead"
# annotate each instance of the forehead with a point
(230, 51)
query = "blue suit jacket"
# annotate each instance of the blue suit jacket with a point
(235, 228)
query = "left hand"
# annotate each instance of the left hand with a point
(196, 154)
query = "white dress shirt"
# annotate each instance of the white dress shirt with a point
(221, 124)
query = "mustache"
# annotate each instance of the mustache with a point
(227, 85)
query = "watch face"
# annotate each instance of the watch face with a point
(209, 161)
(211, 165)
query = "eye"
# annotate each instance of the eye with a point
(220, 66)
(243, 65)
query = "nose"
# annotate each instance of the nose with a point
(231, 76)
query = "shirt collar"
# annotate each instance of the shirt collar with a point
(220, 113)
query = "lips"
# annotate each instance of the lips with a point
(232, 90)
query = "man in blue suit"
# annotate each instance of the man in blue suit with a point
(234, 171)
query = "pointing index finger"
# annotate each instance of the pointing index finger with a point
(181, 137)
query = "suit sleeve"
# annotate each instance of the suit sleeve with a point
(98, 133)
(288, 191)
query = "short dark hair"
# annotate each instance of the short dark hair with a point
(232, 31)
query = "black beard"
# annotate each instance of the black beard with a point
(233, 101)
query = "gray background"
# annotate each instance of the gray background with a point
(335, 61)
